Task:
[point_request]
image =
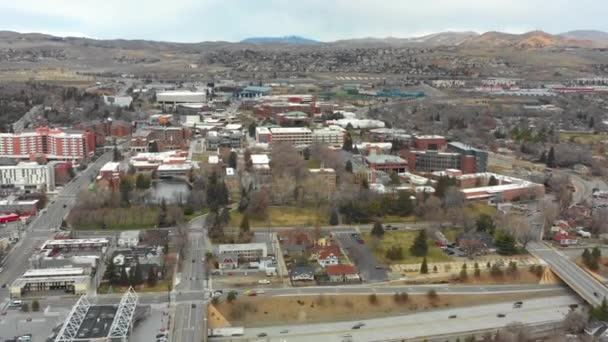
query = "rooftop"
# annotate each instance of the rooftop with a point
(290, 130)
(50, 272)
(384, 159)
(260, 159)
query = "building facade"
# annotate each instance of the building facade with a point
(48, 143)
(28, 176)
(431, 161)
(296, 136)
(474, 160)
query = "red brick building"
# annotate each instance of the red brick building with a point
(48, 143)
(429, 142)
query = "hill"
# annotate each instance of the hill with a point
(296, 40)
(591, 35)
(529, 40)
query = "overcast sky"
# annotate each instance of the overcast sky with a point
(327, 20)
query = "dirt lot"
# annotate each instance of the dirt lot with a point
(266, 311)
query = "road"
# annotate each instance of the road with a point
(584, 188)
(580, 281)
(360, 254)
(44, 225)
(419, 325)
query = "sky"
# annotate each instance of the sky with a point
(325, 20)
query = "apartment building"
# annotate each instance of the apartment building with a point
(326, 136)
(474, 160)
(28, 176)
(296, 136)
(48, 143)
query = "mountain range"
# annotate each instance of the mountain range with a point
(488, 40)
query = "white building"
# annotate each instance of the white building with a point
(328, 136)
(296, 136)
(180, 96)
(246, 251)
(28, 176)
(117, 101)
(129, 238)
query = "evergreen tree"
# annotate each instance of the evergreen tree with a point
(142, 182)
(377, 230)
(136, 276)
(225, 215)
(334, 220)
(492, 181)
(463, 272)
(424, 268)
(244, 226)
(356, 150)
(365, 184)
(152, 277)
(420, 247)
(349, 166)
(233, 159)
(596, 253)
(125, 187)
(477, 271)
(505, 243)
(404, 204)
(116, 154)
(306, 153)
(600, 312)
(348, 143)
(543, 157)
(110, 272)
(551, 162)
(485, 223)
(251, 129)
(124, 277)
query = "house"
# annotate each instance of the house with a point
(228, 261)
(328, 258)
(295, 242)
(244, 251)
(565, 240)
(302, 273)
(475, 243)
(342, 273)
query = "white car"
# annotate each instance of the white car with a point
(264, 281)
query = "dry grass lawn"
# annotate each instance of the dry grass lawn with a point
(403, 239)
(586, 139)
(266, 311)
(285, 217)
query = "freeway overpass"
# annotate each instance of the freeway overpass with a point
(585, 285)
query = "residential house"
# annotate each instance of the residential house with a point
(129, 238)
(302, 273)
(342, 274)
(565, 240)
(328, 258)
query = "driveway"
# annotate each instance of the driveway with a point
(361, 255)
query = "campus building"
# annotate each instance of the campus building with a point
(296, 136)
(72, 280)
(431, 161)
(473, 159)
(48, 143)
(28, 176)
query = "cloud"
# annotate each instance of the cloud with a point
(199, 20)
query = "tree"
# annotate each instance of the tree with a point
(25, 307)
(575, 321)
(125, 187)
(477, 271)
(233, 159)
(600, 312)
(394, 177)
(306, 153)
(348, 143)
(225, 215)
(152, 276)
(432, 294)
(349, 166)
(377, 230)
(110, 272)
(142, 182)
(505, 243)
(258, 204)
(373, 299)
(492, 181)
(231, 296)
(404, 204)
(596, 253)
(334, 219)
(485, 223)
(124, 277)
(551, 162)
(116, 154)
(463, 272)
(424, 268)
(136, 277)
(35, 305)
(394, 253)
(244, 226)
(251, 129)
(420, 247)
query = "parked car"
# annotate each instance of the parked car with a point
(262, 334)
(501, 315)
(264, 281)
(518, 305)
(452, 316)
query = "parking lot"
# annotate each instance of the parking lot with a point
(148, 328)
(369, 268)
(16, 323)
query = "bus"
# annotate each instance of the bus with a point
(227, 332)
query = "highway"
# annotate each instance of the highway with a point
(44, 225)
(419, 325)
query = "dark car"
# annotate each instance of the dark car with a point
(65, 205)
(517, 305)
(161, 335)
(262, 334)
(501, 315)
(193, 305)
(452, 316)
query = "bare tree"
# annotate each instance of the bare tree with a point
(575, 321)
(431, 209)
(259, 203)
(549, 210)
(283, 189)
(560, 186)
(522, 230)
(285, 160)
(514, 332)
(454, 198)
(599, 221)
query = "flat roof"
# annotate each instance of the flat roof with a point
(180, 92)
(260, 159)
(72, 242)
(263, 130)
(429, 136)
(328, 170)
(53, 272)
(500, 188)
(110, 166)
(241, 247)
(290, 130)
(384, 158)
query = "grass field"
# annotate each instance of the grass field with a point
(477, 209)
(403, 239)
(587, 139)
(398, 219)
(313, 164)
(196, 214)
(116, 219)
(284, 217)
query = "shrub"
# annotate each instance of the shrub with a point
(35, 306)
(373, 299)
(432, 294)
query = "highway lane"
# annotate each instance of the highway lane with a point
(419, 325)
(44, 225)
